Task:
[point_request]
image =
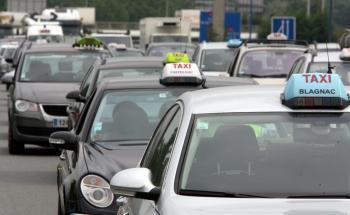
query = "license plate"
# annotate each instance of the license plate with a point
(60, 123)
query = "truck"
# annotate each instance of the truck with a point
(164, 29)
(10, 23)
(68, 18)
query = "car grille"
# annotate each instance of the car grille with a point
(56, 110)
(44, 132)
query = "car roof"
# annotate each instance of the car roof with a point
(323, 57)
(152, 81)
(171, 44)
(57, 47)
(213, 45)
(239, 99)
(139, 61)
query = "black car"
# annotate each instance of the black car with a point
(111, 67)
(111, 135)
(37, 103)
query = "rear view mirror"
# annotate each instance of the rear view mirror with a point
(7, 78)
(9, 60)
(75, 95)
(135, 182)
(64, 140)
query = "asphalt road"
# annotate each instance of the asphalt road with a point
(27, 182)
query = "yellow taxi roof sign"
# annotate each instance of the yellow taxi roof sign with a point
(176, 57)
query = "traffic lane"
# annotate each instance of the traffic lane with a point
(27, 182)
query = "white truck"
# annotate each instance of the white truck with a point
(164, 29)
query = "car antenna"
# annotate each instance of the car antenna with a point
(330, 67)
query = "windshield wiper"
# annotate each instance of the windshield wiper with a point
(218, 194)
(264, 76)
(340, 196)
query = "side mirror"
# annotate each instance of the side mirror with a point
(9, 60)
(135, 182)
(64, 140)
(75, 95)
(7, 78)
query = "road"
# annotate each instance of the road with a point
(27, 182)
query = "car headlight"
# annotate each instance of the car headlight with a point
(96, 191)
(26, 106)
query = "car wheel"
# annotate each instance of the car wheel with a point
(15, 147)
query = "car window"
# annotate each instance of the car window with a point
(268, 154)
(217, 60)
(125, 115)
(296, 68)
(162, 51)
(87, 81)
(268, 63)
(129, 72)
(56, 67)
(158, 154)
(340, 68)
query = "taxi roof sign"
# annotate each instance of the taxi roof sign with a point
(315, 90)
(233, 43)
(88, 42)
(176, 57)
(181, 73)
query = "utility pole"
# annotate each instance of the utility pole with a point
(219, 9)
(330, 21)
(250, 19)
(308, 8)
(166, 8)
(323, 5)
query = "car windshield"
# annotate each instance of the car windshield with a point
(162, 51)
(47, 38)
(127, 53)
(268, 63)
(216, 60)
(128, 72)
(9, 52)
(115, 39)
(269, 154)
(342, 69)
(58, 67)
(131, 115)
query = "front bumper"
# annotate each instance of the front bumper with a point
(34, 128)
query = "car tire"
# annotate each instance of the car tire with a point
(15, 147)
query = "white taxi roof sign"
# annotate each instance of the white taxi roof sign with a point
(181, 73)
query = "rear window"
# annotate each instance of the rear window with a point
(58, 67)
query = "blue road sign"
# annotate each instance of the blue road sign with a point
(284, 24)
(232, 25)
(206, 20)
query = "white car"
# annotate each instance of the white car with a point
(6, 51)
(268, 62)
(247, 150)
(339, 62)
(214, 58)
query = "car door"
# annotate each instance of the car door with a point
(156, 159)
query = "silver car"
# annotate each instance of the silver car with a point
(240, 150)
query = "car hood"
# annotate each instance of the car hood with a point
(108, 158)
(270, 81)
(45, 93)
(186, 205)
(216, 73)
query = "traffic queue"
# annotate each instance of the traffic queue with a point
(231, 127)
